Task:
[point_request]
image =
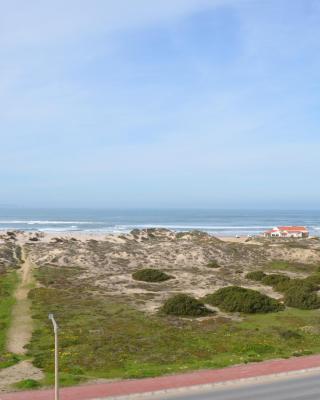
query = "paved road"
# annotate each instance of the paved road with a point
(216, 376)
(301, 388)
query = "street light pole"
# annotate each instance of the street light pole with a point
(56, 359)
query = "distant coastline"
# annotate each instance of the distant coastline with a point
(219, 223)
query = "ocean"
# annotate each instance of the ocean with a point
(215, 222)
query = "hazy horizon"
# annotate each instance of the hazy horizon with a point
(146, 208)
(182, 104)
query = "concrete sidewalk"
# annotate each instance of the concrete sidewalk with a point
(121, 388)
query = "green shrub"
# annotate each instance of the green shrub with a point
(274, 279)
(300, 293)
(184, 305)
(282, 287)
(27, 384)
(151, 275)
(7, 359)
(235, 298)
(315, 279)
(296, 284)
(213, 264)
(256, 275)
(302, 297)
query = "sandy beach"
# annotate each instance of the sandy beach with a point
(24, 236)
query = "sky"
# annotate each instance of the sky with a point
(160, 104)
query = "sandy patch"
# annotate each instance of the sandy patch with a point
(16, 373)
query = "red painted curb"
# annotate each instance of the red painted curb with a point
(121, 388)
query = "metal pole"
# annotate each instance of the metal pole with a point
(56, 358)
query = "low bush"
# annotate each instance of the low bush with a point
(184, 305)
(300, 293)
(8, 359)
(238, 299)
(302, 298)
(275, 279)
(256, 275)
(213, 264)
(27, 384)
(151, 275)
(315, 279)
(296, 284)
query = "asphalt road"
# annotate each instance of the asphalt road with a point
(301, 388)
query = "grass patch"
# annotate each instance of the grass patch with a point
(255, 275)
(275, 279)
(151, 275)
(213, 264)
(279, 265)
(101, 337)
(297, 245)
(8, 283)
(27, 384)
(288, 334)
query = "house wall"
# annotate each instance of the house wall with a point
(294, 234)
(287, 234)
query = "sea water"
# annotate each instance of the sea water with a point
(215, 222)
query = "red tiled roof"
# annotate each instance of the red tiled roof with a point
(293, 228)
(288, 229)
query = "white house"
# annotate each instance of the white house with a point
(288, 232)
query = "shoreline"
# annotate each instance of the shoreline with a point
(45, 236)
(80, 235)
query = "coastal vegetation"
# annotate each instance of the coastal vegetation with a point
(213, 264)
(296, 284)
(282, 265)
(274, 279)
(27, 384)
(151, 275)
(239, 299)
(113, 326)
(8, 282)
(301, 297)
(184, 305)
(255, 275)
(101, 337)
(298, 293)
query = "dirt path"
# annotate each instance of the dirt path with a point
(20, 331)
(21, 371)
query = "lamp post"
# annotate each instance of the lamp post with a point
(56, 360)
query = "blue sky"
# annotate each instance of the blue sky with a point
(180, 103)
